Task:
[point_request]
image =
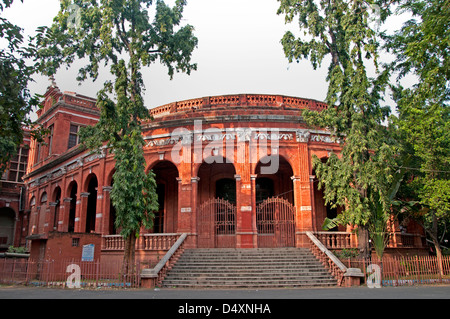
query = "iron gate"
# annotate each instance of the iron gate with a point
(275, 222)
(216, 224)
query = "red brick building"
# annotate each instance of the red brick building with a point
(13, 216)
(232, 171)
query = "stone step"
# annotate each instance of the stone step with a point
(250, 272)
(249, 283)
(247, 268)
(250, 277)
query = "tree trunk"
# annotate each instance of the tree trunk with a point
(435, 237)
(439, 256)
(363, 242)
(131, 259)
(128, 268)
(126, 256)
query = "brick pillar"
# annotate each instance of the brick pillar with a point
(63, 222)
(184, 210)
(34, 220)
(51, 217)
(303, 196)
(106, 209)
(303, 210)
(254, 228)
(80, 214)
(99, 211)
(244, 212)
(194, 183)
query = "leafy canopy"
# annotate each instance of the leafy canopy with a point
(121, 35)
(16, 101)
(360, 176)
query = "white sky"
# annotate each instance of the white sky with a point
(239, 51)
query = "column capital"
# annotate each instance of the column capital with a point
(195, 179)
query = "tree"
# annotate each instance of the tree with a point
(421, 48)
(120, 34)
(16, 101)
(359, 178)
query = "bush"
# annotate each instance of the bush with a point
(347, 253)
(17, 250)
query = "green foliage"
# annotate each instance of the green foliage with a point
(119, 33)
(347, 253)
(16, 101)
(360, 175)
(17, 250)
(421, 49)
(364, 177)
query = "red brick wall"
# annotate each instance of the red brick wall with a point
(59, 246)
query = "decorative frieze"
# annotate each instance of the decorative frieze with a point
(95, 156)
(324, 139)
(303, 136)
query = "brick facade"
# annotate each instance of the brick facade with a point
(243, 148)
(13, 213)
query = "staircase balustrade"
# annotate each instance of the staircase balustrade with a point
(153, 277)
(344, 276)
(144, 242)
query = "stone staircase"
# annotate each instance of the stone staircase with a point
(248, 268)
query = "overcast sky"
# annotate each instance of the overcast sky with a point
(239, 51)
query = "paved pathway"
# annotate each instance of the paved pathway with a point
(413, 292)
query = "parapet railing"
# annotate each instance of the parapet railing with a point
(344, 276)
(244, 100)
(153, 277)
(144, 242)
(337, 240)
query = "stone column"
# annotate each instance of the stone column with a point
(244, 212)
(254, 227)
(99, 211)
(194, 192)
(303, 210)
(80, 214)
(106, 209)
(51, 217)
(63, 222)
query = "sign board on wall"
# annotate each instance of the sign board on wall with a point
(88, 252)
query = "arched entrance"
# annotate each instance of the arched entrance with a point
(166, 174)
(91, 204)
(275, 212)
(7, 224)
(73, 189)
(57, 204)
(275, 222)
(216, 213)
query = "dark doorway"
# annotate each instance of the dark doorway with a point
(73, 206)
(91, 205)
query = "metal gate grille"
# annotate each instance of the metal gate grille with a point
(217, 224)
(275, 222)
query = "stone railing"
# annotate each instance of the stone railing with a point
(345, 276)
(238, 100)
(337, 240)
(151, 278)
(144, 242)
(346, 240)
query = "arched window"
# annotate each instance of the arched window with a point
(264, 189)
(226, 189)
(7, 221)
